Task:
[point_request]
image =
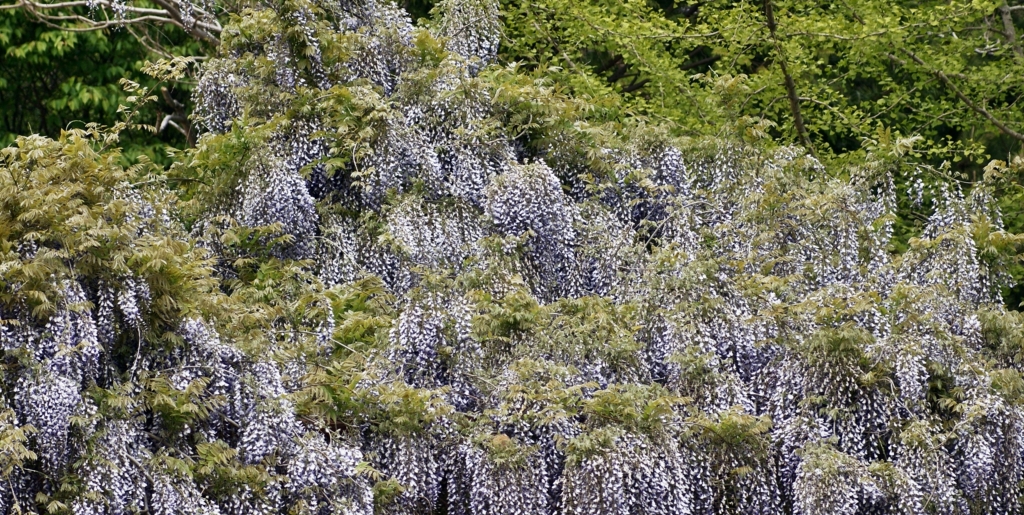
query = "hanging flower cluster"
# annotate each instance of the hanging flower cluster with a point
(112, 393)
(749, 284)
(528, 200)
(274, 193)
(472, 30)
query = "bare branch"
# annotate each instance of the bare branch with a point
(199, 23)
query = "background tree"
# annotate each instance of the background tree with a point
(53, 78)
(831, 77)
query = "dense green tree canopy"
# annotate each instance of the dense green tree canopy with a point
(53, 79)
(946, 71)
(945, 76)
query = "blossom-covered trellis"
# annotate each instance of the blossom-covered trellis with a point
(398, 277)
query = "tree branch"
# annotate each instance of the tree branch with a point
(179, 116)
(963, 98)
(203, 26)
(635, 85)
(794, 99)
(1009, 31)
(701, 62)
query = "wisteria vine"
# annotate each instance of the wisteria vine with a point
(436, 296)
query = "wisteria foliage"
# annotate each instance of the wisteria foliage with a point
(420, 282)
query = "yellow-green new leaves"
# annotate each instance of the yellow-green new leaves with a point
(69, 212)
(13, 453)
